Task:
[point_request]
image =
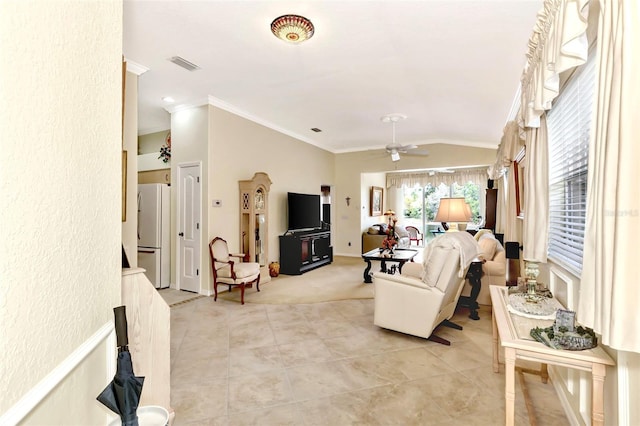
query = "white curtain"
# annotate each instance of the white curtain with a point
(477, 175)
(501, 205)
(535, 227)
(609, 289)
(510, 214)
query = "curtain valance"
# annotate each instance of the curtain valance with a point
(558, 43)
(477, 175)
(510, 145)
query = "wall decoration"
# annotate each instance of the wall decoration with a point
(375, 201)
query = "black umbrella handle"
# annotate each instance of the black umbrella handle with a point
(120, 313)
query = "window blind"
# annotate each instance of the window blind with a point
(568, 125)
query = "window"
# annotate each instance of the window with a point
(421, 204)
(569, 124)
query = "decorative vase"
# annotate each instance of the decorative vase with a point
(531, 271)
(274, 269)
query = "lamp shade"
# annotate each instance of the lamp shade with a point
(453, 210)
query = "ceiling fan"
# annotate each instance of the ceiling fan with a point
(394, 148)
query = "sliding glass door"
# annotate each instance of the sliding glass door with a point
(421, 205)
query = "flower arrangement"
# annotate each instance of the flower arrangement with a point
(165, 150)
(390, 241)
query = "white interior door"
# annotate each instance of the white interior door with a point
(188, 227)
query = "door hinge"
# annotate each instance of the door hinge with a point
(197, 272)
(197, 226)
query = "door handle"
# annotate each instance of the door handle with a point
(181, 234)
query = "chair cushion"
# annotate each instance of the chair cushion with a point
(242, 270)
(373, 230)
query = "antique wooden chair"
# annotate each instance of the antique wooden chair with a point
(414, 235)
(229, 272)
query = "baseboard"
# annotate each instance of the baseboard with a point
(346, 254)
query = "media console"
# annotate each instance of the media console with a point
(301, 251)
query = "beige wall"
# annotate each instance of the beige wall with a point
(60, 182)
(350, 221)
(240, 148)
(151, 142)
(189, 145)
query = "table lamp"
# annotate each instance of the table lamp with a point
(453, 212)
(391, 216)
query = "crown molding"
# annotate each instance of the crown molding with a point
(471, 144)
(135, 67)
(219, 103)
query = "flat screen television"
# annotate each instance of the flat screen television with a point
(303, 211)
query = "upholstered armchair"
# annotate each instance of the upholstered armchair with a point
(230, 272)
(425, 295)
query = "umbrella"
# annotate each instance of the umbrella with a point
(122, 395)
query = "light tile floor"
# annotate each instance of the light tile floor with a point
(327, 364)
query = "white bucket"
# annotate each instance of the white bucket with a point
(148, 415)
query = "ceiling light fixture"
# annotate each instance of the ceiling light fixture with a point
(292, 28)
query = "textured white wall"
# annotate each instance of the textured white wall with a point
(60, 179)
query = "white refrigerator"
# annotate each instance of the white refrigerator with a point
(154, 225)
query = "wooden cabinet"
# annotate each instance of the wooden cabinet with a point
(254, 219)
(490, 209)
(303, 251)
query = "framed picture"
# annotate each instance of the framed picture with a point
(518, 180)
(375, 201)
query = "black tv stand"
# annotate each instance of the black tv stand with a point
(302, 251)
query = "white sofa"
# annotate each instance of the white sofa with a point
(425, 295)
(372, 238)
(494, 269)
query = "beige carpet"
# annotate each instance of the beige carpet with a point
(341, 280)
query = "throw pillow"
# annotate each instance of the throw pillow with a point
(373, 230)
(488, 245)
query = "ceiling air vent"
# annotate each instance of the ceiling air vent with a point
(189, 66)
(315, 129)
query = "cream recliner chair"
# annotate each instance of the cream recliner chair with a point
(425, 295)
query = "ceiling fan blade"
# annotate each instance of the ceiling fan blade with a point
(405, 148)
(417, 152)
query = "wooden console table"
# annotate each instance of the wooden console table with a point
(511, 332)
(400, 256)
